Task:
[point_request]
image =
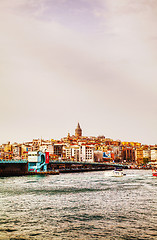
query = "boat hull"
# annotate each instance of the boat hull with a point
(154, 174)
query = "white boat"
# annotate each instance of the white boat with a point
(118, 172)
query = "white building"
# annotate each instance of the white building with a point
(86, 153)
(146, 154)
(75, 153)
(47, 148)
(154, 155)
(82, 153)
(67, 152)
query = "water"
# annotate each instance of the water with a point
(90, 205)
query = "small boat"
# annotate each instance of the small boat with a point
(154, 168)
(118, 172)
(154, 172)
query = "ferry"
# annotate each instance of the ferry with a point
(118, 172)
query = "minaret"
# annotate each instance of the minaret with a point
(78, 131)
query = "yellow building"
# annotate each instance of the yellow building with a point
(24, 151)
(8, 147)
(102, 148)
(139, 156)
(133, 144)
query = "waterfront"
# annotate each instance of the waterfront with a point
(91, 205)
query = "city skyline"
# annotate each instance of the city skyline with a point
(92, 62)
(77, 134)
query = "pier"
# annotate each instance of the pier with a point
(13, 167)
(70, 166)
(20, 167)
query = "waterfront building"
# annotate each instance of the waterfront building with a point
(58, 149)
(78, 131)
(128, 154)
(98, 156)
(139, 156)
(1, 152)
(24, 151)
(47, 147)
(67, 152)
(146, 156)
(116, 150)
(154, 154)
(8, 147)
(86, 153)
(36, 144)
(37, 161)
(16, 151)
(75, 153)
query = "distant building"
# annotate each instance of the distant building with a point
(98, 156)
(78, 131)
(139, 156)
(8, 147)
(129, 154)
(154, 155)
(86, 153)
(146, 155)
(58, 149)
(75, 153)
(67, 152)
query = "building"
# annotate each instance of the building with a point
(8, 147)
(75, 153)
(78, 131)
(37, 161)
(146, 156)
(16, 151)
(154, 155)
(128, 154)
(139, 156)
(67, 152)
(86, 153)
(58, 149)
(98, 156)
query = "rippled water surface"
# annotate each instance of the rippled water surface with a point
(90, 205)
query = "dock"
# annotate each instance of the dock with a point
(20, 167)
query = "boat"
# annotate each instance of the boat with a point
(154, 168)
(154, 172)
(118, 172)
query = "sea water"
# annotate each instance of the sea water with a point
(90, 205)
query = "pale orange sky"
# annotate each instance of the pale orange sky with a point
(92, 61)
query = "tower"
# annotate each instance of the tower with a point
(78, 131)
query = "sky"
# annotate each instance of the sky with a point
(87, 61)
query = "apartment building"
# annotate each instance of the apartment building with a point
(154, 155)
(139, 156)
(75, 153)
(87, 153)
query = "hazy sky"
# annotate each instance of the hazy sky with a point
(92, 61)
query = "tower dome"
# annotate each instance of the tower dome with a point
(78, 131)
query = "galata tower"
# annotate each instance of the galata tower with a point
(78, 131)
